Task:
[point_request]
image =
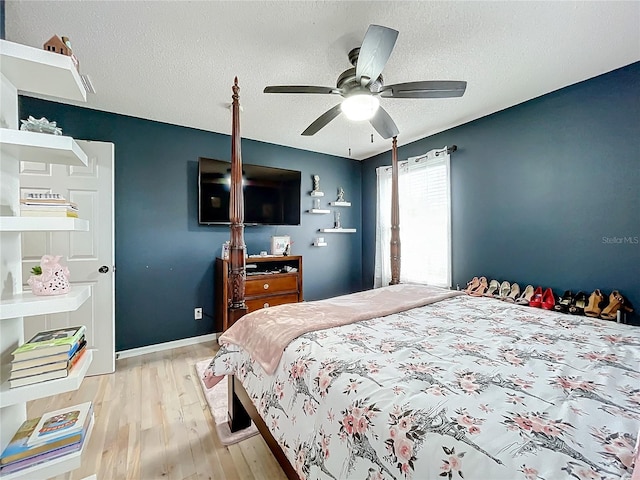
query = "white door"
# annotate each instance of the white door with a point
(88, 255)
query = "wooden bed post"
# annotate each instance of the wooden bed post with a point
(395, 217)
(238, 417)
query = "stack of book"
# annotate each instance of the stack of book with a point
(44, 438)
(47, 205)
(47, 356)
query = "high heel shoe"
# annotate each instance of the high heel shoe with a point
(579, 303)
(505, 288)
(593, 309)
(481, 289)
(525, 298)
(564, 302)
(548, 299)
(616, 302)
(471, 285)
(536, 299)
(493, 287)
(513, 294)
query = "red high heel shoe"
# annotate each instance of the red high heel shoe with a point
(536, 300)
(548, 299)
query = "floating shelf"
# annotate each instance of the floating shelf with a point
(43, 224)
(337, 230)
(340, 204)
(319, 211)
(316, 194)
(34, 70)
(27, 304)
(12, 396)
(323, 244)
(55, 467)
(38, 147)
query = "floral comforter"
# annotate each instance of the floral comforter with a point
(463, 388)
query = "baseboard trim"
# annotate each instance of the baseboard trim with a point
(134, 352)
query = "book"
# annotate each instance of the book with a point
(18, 449)
(64, 364)
(38, 361)
(60, 423)
(43, 377)
(62, 213)
(38, 459)
(49, 342)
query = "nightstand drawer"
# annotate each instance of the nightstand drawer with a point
(266, 302)
(270, 284)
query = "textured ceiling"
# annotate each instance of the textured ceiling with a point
(174, 61)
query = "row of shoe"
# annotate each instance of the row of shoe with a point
(595, 305)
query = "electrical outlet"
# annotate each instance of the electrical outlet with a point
(197, 313)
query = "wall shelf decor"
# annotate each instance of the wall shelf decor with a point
(319, 211)
(340, 204)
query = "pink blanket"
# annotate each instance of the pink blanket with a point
(264, 334)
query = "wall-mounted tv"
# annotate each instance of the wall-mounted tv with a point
(271, 195)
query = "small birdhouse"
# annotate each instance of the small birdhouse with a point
(62, 46)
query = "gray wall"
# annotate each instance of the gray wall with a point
(164, 258)
(541, 191)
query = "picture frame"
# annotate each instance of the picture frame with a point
(279, 244)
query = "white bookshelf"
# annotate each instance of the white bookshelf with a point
(32, 70)
(12, 396)
(57, 466)
(41, 147)
(26, 304)
(43, 224)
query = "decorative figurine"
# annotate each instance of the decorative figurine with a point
(50, 278)
(337, 221)
(340, 195)
(316, 203)
(62, 46)
(316, 184)
(41, 125)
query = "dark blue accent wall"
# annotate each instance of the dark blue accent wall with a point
(164, 258)
(546, 192)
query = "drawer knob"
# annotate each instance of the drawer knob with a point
(266, 286)
(266, 305)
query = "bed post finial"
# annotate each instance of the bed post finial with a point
(395, 216)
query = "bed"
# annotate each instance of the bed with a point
(411, 381)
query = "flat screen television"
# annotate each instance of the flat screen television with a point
(271, 195)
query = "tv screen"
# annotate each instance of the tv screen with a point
(271, 195)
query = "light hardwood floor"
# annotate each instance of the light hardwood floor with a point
(153, 422)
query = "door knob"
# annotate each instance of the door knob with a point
(103, 269)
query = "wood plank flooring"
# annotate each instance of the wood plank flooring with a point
(153, 422)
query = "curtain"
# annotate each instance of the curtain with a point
(425, 220)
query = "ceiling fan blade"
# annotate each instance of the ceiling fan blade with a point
(322, 120)
(376, 49)
(299, 89)
(383, 124)
(427, 89)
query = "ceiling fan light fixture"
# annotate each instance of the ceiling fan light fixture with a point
(360, 106)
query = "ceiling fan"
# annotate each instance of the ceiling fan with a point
(362, 85)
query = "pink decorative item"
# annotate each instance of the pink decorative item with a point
(54, 279)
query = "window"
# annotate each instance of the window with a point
(425, 219)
